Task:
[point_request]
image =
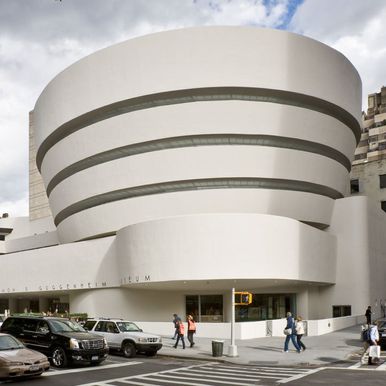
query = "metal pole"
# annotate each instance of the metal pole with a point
(232, 352)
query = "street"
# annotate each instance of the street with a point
(162, 371)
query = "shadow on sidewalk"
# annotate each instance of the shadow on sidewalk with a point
(266, 348)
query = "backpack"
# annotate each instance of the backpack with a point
(366, 335)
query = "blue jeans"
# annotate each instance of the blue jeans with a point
(287, 339)
(180, 336)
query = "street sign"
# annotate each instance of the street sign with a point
(243, 298)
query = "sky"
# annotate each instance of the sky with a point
(40, 38)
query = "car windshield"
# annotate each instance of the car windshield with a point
(66, 326)
(128, 326)
(8, 342)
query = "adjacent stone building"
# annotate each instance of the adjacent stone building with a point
(368, 174)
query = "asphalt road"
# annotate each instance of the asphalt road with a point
(166, 371)
(342, 377)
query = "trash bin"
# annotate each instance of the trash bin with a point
(217, 348)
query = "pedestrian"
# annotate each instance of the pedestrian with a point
(366, 341)
(181, 332)
(290, 333)
(299, 328)
(176, 319)
(191, 329)
(374, 338)
(368, 315)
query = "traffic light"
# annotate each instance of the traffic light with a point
(243, 298)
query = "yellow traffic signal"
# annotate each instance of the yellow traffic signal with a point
(243, 298)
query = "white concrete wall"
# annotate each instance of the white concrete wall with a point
(253, 330)
(291, 63)
(181, 53)
(325, 326)
(186, 119)
(69, 267)
(32, 242)
(226, 246)
(24, 227)
(359, 226)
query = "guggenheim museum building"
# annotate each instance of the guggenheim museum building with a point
(168, 169)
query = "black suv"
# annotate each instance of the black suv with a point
(381, 324)
(62, 340)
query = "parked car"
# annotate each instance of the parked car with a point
(1, 319)
(62, 340)
(18, 361)
(125, 336)
(381, 323)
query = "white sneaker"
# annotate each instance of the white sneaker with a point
(285, 350)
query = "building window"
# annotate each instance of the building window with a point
(354, 186)
(338, 311)
(383, 205)
(382, 181)
(360, 156)
(205, 308)
(266, 307)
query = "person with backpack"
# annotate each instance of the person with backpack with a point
(365, 339)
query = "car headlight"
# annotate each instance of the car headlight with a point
(142, 340)
(74, 344)
(105, 342)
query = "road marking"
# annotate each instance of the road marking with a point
(208, 374)
(229, 374)
(108, 381)
(195, 379)
(300, 375)
(79, 370)
(253, 370)
(356, 365)
(381, 367)
(214, 375)
(130, 383)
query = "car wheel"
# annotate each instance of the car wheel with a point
(128, 349)
(59, 357)
(151, 353)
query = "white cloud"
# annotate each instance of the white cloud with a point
(353, 27)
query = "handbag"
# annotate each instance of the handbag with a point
(287, 331)
(375, 351)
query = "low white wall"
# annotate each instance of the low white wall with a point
(253, 330)
(324, 326)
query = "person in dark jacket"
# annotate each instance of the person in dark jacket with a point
(181, 333)
(176, 320)
(292, 333)
(368, 315)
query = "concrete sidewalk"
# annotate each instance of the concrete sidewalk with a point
(321, 350)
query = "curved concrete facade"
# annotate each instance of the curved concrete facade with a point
(213, 158)
(191, 121)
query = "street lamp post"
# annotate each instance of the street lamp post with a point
(232, 351)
